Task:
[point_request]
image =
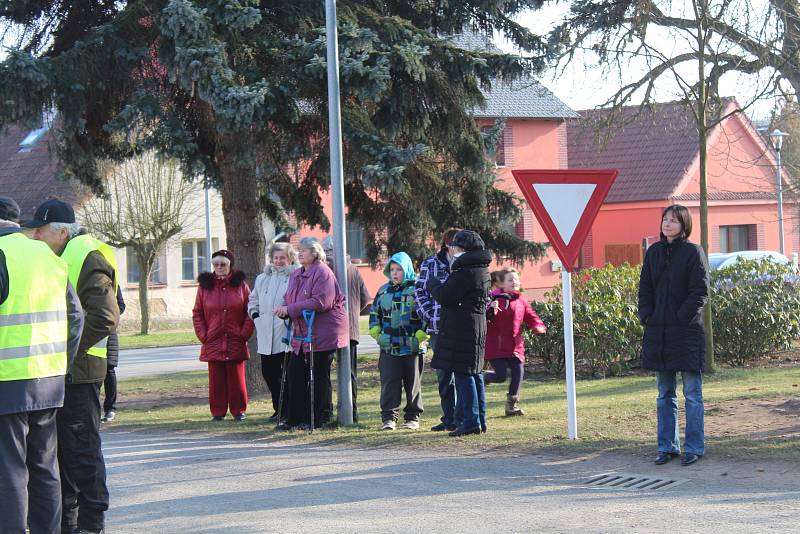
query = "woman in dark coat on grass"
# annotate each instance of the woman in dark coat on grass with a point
(673, 288)
(462, 327)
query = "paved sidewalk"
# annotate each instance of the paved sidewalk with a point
(196, 484)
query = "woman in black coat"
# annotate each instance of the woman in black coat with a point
(462, 327)
(673, 289)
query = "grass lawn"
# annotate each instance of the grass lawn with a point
(614, 413)
(158, 339)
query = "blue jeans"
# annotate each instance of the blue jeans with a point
(667, 410)
(451, 411)
(471, 400)
(447, 392)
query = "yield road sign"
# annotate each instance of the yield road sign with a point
(566, 203)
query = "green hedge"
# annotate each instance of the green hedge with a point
(755, 306)
(756, 310)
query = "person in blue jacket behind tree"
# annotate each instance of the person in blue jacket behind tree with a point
(398, 329)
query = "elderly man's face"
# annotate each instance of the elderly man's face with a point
(55, 239)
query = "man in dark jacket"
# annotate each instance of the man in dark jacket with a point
(438, 267)
(673, 288)
(38, 323)
(92, 270)
(110, 382)
(359, 304)
(462, 327)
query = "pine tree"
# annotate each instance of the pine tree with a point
(235, 90)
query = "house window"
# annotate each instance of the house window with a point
(736, 238)
(158, 275)
(499, 153)
(355, 240)
(193, 257)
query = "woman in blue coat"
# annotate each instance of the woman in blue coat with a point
(673, 289)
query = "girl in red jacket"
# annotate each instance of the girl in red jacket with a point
(505, 346)
(223, 327)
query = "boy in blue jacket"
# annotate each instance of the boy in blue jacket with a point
(398, 329)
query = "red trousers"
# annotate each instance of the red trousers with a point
(226, 387)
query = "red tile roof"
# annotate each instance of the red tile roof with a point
(29, 177)
(652, 149)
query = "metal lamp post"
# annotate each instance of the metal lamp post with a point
(337, 199)
(776, 137)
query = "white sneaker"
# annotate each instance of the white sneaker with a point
(411, 425)
(389, 425)
(108, 417)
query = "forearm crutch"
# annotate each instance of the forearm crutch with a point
(308, 317)
(287, 341)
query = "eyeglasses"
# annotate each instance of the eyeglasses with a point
(219, 264)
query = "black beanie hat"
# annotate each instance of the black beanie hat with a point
(225, 254)
(468, 240)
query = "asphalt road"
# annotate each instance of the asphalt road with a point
(156, 361)
(145, 362)
(198, 484)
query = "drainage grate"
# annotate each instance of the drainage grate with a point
(631, 482)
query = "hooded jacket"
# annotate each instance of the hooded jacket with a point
(394, 311)
(504, 328)
(673, 288)
(462, 327)
(268, 291)
(220, 317)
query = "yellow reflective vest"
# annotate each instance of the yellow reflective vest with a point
(75, 254)
(33, 319)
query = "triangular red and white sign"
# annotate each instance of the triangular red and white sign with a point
(566, 203)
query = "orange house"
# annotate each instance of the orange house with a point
(657, 156)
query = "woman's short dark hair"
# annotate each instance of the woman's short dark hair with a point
(447, 238)
(684, 217)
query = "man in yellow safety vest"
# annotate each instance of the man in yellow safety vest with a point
(91, 268)
(40, 328)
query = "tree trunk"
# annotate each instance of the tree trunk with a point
(145, 266)
(702, 133)
(244, 229)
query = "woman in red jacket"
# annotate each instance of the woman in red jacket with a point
(505, 346)
(223, 327)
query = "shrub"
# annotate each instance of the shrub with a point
(606, 327)
(756, 309)
(549, 347)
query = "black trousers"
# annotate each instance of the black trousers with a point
(398, 374)
(298, 394)
(271, 370)
(353, 376)
(84, 495)
(29, 485)
(110, 388)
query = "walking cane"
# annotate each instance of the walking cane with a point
(308, 317)
(287, 341)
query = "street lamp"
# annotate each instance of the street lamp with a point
(776, 137)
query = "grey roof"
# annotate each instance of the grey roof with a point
(524, 98)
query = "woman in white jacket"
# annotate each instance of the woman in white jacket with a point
(267, 295)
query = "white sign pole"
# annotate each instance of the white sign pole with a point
(569, 355)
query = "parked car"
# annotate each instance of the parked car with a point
(721, 261)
